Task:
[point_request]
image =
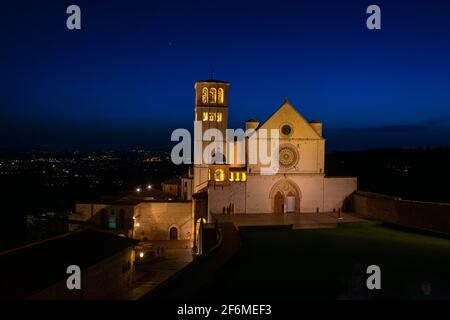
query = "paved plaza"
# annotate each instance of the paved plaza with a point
(297, 220)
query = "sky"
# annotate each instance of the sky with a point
(126, 79)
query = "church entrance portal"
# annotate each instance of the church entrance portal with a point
(279, 203)
(285, 197)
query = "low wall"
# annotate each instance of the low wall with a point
(423, 215)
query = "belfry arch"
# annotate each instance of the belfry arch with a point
(285, 196)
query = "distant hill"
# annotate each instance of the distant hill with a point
(416, 174)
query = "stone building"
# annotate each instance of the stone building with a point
(299, 185)
(145, 215)
(228, 186)
(172, 186)
(180, 187)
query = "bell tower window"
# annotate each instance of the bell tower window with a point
(220, 95)
(212, 95)
(205, 95)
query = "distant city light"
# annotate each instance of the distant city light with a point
(138, 189)
(149, 186)
(141, 254)
(138, 224)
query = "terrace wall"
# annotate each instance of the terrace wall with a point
(423, 215)
(105, 280)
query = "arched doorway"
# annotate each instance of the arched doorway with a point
(285, 196)
(173, 233)
(278, 203)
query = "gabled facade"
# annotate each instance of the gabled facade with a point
(299, 184)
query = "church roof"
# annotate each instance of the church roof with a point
(133, 198)
(288, 104)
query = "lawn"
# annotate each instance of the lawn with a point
(331, 264)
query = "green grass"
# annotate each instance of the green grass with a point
(331, 264)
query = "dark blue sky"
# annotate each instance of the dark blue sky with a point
(126, 79)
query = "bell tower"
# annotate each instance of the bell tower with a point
(211, 109)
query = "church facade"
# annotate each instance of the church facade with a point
(300, 183)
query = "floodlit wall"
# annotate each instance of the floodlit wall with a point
(336, 190)
(155, 220)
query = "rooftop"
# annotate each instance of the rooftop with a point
(173, 180)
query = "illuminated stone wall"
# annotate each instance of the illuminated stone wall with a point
(336, 190)
(153, 220)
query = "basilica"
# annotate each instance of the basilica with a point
(300, 183)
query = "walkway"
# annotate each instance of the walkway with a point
(151, 275)
(202, 271)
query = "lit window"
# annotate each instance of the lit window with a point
(244, 176)
(112, 220)
(220, 95)
(212, 116)
(205, 95)
(219, 175)
(209, 174)
(212, 95)
(231, 176)
(238, 178)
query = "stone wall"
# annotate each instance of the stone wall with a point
(220, 196)
(336, 190)
(92, 212)
(423, 215)
(155, 220)
(314, 193)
